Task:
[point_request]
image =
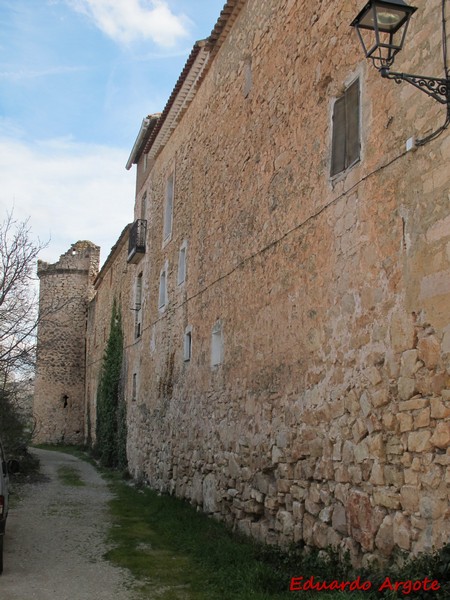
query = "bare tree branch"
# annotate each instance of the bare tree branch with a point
(18, 297)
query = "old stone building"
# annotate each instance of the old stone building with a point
(286, 283)
(66, 289)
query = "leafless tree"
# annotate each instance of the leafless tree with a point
(18, 296)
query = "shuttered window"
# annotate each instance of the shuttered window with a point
(346, 130)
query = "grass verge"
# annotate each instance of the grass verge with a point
(182, 554)
(178, 553)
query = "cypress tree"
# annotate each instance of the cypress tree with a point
(111, 410)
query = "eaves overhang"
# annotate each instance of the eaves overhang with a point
(180, 98)
(195, 69)
(147, 126)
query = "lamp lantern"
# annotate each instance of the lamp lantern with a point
(381, 28)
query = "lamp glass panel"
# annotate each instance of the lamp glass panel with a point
(390, 19)
(387, 19)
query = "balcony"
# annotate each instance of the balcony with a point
(136, 241)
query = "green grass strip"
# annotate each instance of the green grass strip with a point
(70, 476)
(166, 541)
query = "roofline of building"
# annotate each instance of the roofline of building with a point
(145, 131)
(153, 137)
(180, 98)
(112, 255)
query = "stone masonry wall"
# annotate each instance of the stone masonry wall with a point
(328, 420)
(65, 289)
(113, 283)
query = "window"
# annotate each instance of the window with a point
(134, 388)
(248, 78)
(168, 208)
(144, 206)
(163, 299)
(346, 130)
(182, 264)
(187, 348)
(217, 345)
(138, 307)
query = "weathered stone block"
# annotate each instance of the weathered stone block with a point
(364, 520)
(312, 507)
(384, 539)
(365, 404)
(405, 421)
(320, 535)
(439, 410)
(402, 531)
(393, 475)
(419, 441)
(408, 365)
(409, 497)
(377, 474)
(415, 403)
(339, 519)
(429, 350)
(308, 525)
(380, 398)
(406, 388)
(387, 498)
(422, 419)
(441, 435)
(373, 376)
(431, 507)
(402, 332)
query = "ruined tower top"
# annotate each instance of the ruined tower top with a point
(81, 256)
(66, 288)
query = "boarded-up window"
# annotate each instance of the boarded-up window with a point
(346, 135)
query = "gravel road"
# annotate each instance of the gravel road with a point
(55, 539)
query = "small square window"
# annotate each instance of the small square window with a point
(346, 143)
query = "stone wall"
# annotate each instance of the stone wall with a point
(328, 420)
(112, 284)
(66, 288)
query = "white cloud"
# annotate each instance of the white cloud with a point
(70, 191)
(127, 21)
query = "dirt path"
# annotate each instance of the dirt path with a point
(55, 539)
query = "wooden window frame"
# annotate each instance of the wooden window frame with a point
(346, 130)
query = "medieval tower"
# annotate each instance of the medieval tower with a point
(66, 288)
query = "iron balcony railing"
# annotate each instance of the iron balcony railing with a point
(136, 240)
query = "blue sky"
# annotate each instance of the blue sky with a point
(76, 79)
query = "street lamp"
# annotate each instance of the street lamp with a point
(381, 27)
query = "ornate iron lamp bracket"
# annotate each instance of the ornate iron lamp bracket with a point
(437, 88)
